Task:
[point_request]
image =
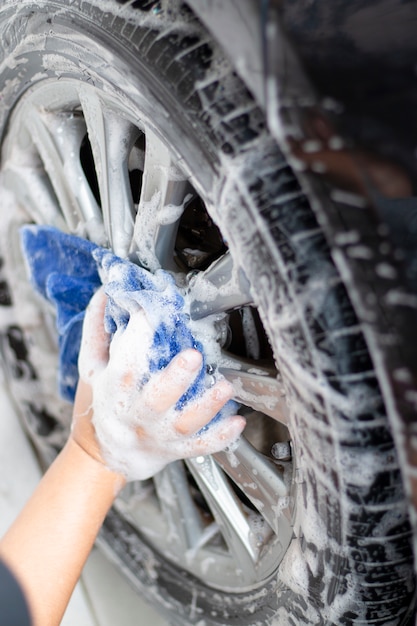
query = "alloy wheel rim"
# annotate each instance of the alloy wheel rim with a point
(73, 153)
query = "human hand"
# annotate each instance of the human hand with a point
(131, 423)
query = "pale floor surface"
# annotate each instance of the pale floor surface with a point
(103, 598)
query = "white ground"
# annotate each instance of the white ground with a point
(102, 598)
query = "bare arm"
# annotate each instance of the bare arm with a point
(48, 544)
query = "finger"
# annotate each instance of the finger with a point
(94, 351)
(199, 413)
(165, 388)
(219, 436)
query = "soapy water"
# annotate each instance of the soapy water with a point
(130, 288)
(137, 426)
(67, 270)
(309, 390)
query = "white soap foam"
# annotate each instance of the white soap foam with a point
(137, 439)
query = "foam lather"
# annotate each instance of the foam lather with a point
(67, 270)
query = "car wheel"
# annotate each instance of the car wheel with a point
(124, 123)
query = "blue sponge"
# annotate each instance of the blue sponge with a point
(67, 270)
(64, 272)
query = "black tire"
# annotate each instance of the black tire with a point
(350, 559)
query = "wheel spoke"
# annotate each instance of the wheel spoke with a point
(260, 480)
(227, 511)
(112, 138)
(222, 287)
(256, 386)
(58, 138)
(164, 192)
(69, 131)
(177, 505)
(33, 191)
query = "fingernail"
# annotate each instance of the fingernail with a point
(190, 359)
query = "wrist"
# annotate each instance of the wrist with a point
(94, 468)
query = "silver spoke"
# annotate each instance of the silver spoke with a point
(260, 480)
(164, 192)
(227, 511)
(112, 138)
(34, 193)
(58, 138)
(256, 386)
(68, 131)
(178, 507)
(222, 287)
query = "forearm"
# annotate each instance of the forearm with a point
(51, 539)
